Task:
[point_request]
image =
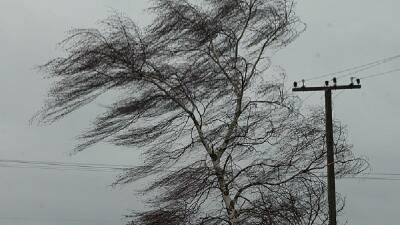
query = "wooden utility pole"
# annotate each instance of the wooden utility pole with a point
(329, 137)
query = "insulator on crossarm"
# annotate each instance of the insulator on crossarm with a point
(295, 84)
(358, 81)
(326, 83)
(303, 81)
(334, 81)
(351, 80)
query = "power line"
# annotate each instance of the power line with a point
(372, 76)
(55, 168)
(339, 93)
(386, 174)
(380, 74)
(64, 163)
(306, 98)
(371, 178)
(70, 220)
(355, 69)
(61, 166)
(92, 167)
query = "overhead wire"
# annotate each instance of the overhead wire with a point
(379, 74)
(48, 219)
(56, 168)
(371, 178)
(307, 97)
(353, 73)
(355, 69)
(337, 94)
(371, 76)
(65, 163)
(91, 167)
(374, 74)
(62, 166)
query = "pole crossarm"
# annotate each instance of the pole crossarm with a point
(325, 88)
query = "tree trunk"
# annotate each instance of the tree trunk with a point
(229, 203)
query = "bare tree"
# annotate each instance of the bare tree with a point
(224, 140)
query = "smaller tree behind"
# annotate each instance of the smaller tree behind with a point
(226, 143)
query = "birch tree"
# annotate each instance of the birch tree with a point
(222, 138)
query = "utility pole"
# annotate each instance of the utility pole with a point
(329, 137)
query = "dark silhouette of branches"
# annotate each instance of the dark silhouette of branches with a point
(226, 142)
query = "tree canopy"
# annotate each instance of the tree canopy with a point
(224, 139)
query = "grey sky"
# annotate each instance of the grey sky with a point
(340, 34)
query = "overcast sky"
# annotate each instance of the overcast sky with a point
(340, 34)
